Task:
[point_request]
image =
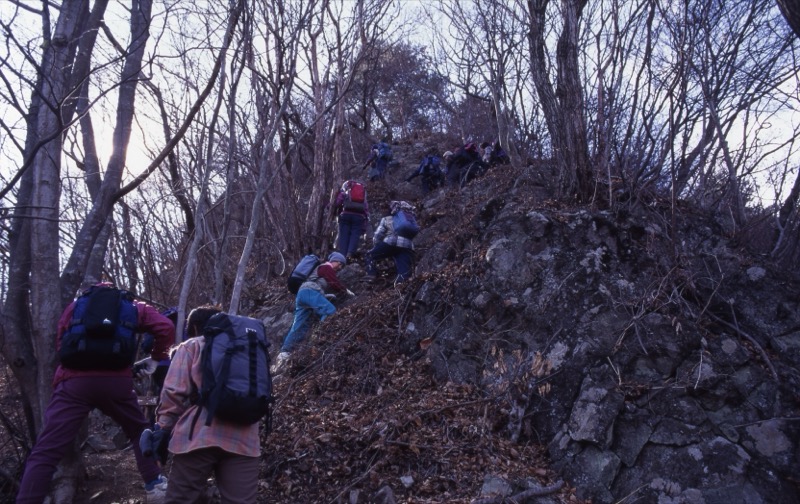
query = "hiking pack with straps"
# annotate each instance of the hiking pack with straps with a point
(301, 272)
(102, 332)
(384, 151)
(405, 224)
(236, 385)
(355, 197)
(431, 168)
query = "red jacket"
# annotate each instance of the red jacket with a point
(327, 272)
(150, 320)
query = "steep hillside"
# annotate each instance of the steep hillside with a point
(634, 354)
(540, 353)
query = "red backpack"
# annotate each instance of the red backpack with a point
(355, 197)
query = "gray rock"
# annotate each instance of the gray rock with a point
(632, 432)
(596, 408)
(593, 472)
(494, 486)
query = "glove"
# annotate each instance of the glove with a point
(144, 367)
(155, 443)
(350, 293)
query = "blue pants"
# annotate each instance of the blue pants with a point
(430, 183)
(378, 169)
(308, 301)
(403, 257)
(351, 227)
(72, 401)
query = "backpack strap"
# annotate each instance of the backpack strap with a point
(200, 399)
(252, 362)
(225, 371)
(194, 422)
(203, 398)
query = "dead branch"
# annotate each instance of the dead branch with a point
(519, 497)
(749, 338)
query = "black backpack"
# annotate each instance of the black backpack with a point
(301, 272)
(102, 332)
(237, 385)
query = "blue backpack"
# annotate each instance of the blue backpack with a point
(431, 168)
(384, 151)
(102, 332)
(405, 224)
(301, 272)
(236, 385)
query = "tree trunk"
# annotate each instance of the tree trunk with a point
(786, 247)
(91, 174)
(544, 88)
(34, 302)
(563, 108)
(791, 11)
(320, 179)
(573, 139)
(103, 204)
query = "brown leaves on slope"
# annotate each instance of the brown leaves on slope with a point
(355, 415)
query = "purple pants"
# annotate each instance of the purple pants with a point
(73, 399)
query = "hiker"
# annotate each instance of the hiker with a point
(390, 240)
(229, 450)
(141, 371)
(494, 155)
(446, 158)
(464, 165)
(431, 172)
(380, 155)
(91, 375)
(314, 296)
(353, 210)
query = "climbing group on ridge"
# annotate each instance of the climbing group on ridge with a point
(454, 168)
(458, 167)
(214, 382)
(316, 284)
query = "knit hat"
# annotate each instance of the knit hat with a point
(337, 257)
(396, 206)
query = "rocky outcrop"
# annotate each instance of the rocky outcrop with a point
(672, 357)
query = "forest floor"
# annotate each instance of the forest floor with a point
(111, 477)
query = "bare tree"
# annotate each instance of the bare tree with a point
(285, 31)
(563, 103)
(28, 332)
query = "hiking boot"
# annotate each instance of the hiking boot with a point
(156, 491)
(280, 362)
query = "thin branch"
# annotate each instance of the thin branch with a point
(749, 338)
